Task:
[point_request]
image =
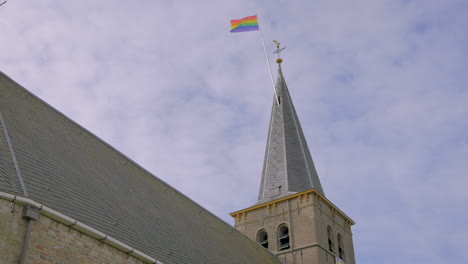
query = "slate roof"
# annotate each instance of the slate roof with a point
(288, 167)
(70, 170)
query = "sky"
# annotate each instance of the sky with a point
(380, 88)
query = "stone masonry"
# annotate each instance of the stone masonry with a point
(307, 215)
(51, 242)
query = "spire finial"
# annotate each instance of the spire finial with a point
(278, 51)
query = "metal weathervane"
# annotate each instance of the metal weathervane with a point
(278, 49)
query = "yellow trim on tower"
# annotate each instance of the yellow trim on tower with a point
(273, 203)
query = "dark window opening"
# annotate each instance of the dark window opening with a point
(262, 238)
(283, 237)
(331, 244)
(341, 252)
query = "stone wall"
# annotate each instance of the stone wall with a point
(51, 242)
(307, 217)
(327, 215)
(12, 231)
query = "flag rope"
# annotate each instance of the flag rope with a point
(268, 61)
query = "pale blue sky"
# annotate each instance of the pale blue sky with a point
(380, 88)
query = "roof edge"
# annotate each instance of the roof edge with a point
(114, 149)
(13, 156)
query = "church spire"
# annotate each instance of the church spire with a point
(288, 167)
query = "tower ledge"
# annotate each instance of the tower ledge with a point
(305, 195)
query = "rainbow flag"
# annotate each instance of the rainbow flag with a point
(249, 23)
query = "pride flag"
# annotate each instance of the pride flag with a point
(249, 23)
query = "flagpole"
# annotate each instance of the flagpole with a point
(268, 61)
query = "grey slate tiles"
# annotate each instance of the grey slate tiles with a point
(288, 167)
(9, 179)
(70, 170)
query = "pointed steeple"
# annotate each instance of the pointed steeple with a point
(288, 167)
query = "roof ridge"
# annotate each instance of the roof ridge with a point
(10, 150)
(71, 170)
(110, 146)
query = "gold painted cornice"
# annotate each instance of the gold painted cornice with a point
(301, 196)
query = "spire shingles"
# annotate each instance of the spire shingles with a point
(288, 167)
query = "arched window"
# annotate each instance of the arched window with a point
(341, 253)
(283, 237)
(262, 238)
(331, 243)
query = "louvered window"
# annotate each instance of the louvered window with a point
(341, 252)
(331, 243)
(283, 237)
(262, 238)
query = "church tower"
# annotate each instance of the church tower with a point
(292, 217)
